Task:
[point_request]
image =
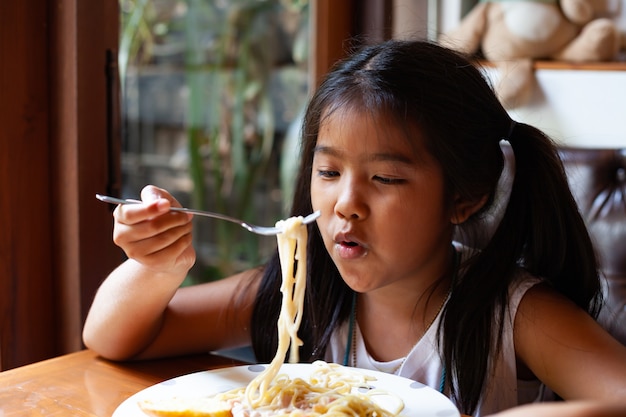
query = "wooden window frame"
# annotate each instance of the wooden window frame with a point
(57, 149)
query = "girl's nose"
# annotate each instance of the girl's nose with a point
(350, 203)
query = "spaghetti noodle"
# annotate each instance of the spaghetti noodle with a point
(292, 254)
(330, 391)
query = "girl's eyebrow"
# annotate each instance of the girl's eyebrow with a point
(392, 157)
(381, 156)
(326, 150)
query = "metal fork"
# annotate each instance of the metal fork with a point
(260, 230)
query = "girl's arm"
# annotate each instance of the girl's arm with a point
(566, 349)
(566, 409)
(138, 315)
(139, 310)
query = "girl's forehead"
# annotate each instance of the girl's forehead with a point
(370, 128)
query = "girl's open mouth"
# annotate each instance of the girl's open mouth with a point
(350, 250)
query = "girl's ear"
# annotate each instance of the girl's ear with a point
(463, 209)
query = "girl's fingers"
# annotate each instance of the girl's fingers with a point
(155, 243)
(156, 202)
(152, 235)
(178, 255)
(169, 251)
(135, 213)
(150, 193)
(128, 231)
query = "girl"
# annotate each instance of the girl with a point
(401, 153)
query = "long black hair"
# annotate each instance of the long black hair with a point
(447, 97)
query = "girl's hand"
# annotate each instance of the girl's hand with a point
(141, 312)
(153, 236)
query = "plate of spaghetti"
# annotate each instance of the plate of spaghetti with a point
(317, 389)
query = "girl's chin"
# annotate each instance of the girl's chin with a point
(359, 280)
(357, 285)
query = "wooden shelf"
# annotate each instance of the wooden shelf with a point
(561, 65)
(589, 66)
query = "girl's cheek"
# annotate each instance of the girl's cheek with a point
(321, 199)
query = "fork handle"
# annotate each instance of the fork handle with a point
(114, 200)
(209, 214)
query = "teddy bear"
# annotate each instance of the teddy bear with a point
(513, 34)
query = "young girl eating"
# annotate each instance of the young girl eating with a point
(403, 152)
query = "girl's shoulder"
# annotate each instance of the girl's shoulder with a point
(553, 336)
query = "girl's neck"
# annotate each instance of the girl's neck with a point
(391, 330)
(410, 302)
(392, 325)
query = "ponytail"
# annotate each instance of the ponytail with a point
(542, 231)
(550, 235)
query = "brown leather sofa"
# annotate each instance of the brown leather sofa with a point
(597, 178)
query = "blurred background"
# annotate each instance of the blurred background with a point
(203, 98)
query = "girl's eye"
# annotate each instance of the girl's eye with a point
(389, 181)
(327, 174)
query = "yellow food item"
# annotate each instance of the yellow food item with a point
(186, 407)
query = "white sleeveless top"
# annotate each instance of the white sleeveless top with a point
(423, 363)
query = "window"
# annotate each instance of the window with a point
(58, 121)
(212, 91)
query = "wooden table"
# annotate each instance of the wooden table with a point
(83, 384)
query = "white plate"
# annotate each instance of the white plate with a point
(419, 399)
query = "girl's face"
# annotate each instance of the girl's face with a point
(384, 220)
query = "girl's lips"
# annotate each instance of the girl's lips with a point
(348, 247)
(350, 250)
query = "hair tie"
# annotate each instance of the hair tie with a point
(502, 193)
